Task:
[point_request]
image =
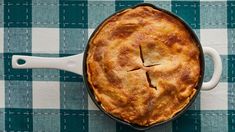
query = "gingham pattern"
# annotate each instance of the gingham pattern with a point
(52, 100)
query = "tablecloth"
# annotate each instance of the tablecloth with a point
(44, 100)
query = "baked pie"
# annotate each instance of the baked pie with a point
(143, 65)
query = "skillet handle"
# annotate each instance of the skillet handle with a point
(217, 68)
(70, 63)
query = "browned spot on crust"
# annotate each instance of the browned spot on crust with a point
(123, 56)
(99, 49)
(135, 45)
(151, 101)
(124, 31)
(123, 100)
(185, 76)
(169, 88)
(151, 45)
(179, 49)
(172, 39)
(139, 37)
(158, 15)
(112, 77)
(193, 54)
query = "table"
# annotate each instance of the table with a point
(44, 100)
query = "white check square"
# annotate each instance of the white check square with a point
(45, 40)
(2, 94)
(46, 95)
(215, 38)
(1, 40)
(215, 99)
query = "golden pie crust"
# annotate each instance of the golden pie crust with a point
(143, 65)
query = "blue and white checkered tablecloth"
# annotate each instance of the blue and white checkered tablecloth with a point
(44, 100)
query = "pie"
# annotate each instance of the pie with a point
(143, 65)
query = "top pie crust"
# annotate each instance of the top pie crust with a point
(143, 65)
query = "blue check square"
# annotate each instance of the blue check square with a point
(231, 40)
(123, 128)
(213, 15)
(17, 40)
(231, 120)
(188, 122)
(18, 120)
(231, 69)
(211, 121)
(231, 94)
(231, 14)
(18, 94)
(73, 14)
(162, 4)
(73, 41)
(74, 121)
(45, 15)
(73, 96)
(99, 122)
(2, 121)
(17, 13)
(98, 11)
(1, 13)
(46, 120)
(189, 11)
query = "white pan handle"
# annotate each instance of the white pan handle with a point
(217, 68)
(71, 63)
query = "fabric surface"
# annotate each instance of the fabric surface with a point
(44, 100)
